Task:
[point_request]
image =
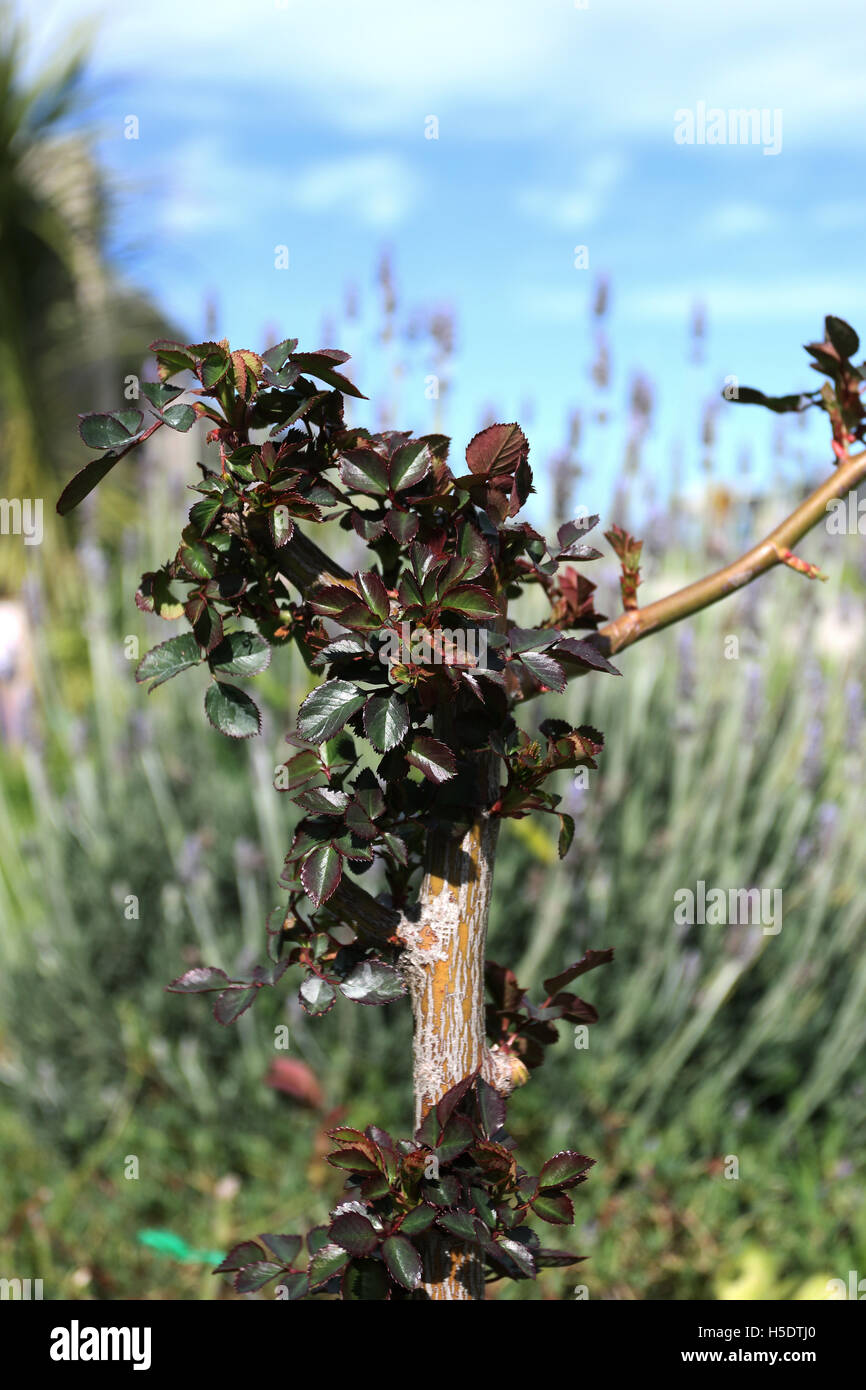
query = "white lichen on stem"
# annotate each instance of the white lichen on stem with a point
(443, 960)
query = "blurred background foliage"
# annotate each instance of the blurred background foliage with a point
(135, 844)
(70, 328)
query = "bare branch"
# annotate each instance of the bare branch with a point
(632, 626)
(637, 623)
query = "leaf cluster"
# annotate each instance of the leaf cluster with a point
(455, 1183)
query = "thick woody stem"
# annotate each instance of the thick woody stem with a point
(306, 565)
(443, 962)
(353, 904)
(444, 966)
(444, 959)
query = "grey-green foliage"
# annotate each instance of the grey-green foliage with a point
(112, 884)
(743, 773)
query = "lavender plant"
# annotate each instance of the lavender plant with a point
(405, 760)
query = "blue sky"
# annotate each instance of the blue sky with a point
(269, 124)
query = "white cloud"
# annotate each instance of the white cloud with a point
(498, 67)
(734, 219)
(192, 195)
(747, 300)
(577, 207)
(376, 189)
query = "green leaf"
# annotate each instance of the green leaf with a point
(172, 357)
(418, 1220)
(302, 768)
(316, 1238)
(520, 1255)
(323, 801)
(155, 596)
(86, 479)
(365, 1281)
(545, 669)
(110, 431)
(354, 1233)
(566, 833)
(556, 1259)
(370, 799)
(433, 758)
(318, 364)
(247, 1252)
(284, 1247)
(203, 514)
(305, 407)
(168, 659)
(528, 639)
(331, 1259)
(480, 1199)
(296, 1285)
(781, 405)
(491, 1107)
(473, 547)
(409, 465)
(472, 600)
(397, 845)
(321, 871)
(339, 752)
(402, 525)
(409, 593)
(231, 711)
(362, 470)
(232, 1003)
(198, 559)
(386, 721)
(326, 710)
(563, 1169)
(371, 982)
(179, 417)
(277, 355)
(332, 600)
(403, 1261)
(202, 979)
(459, 1224)
(842, 336)
(586, 652)
(456, 1138)
(242, 471)
(213, 365)
(317, 996)
(347, 1137)
(555, 1207)
(374, 593)
(159, 394)
(241, 654)
(445, 1192)
(355, 1159)
(206, 623)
